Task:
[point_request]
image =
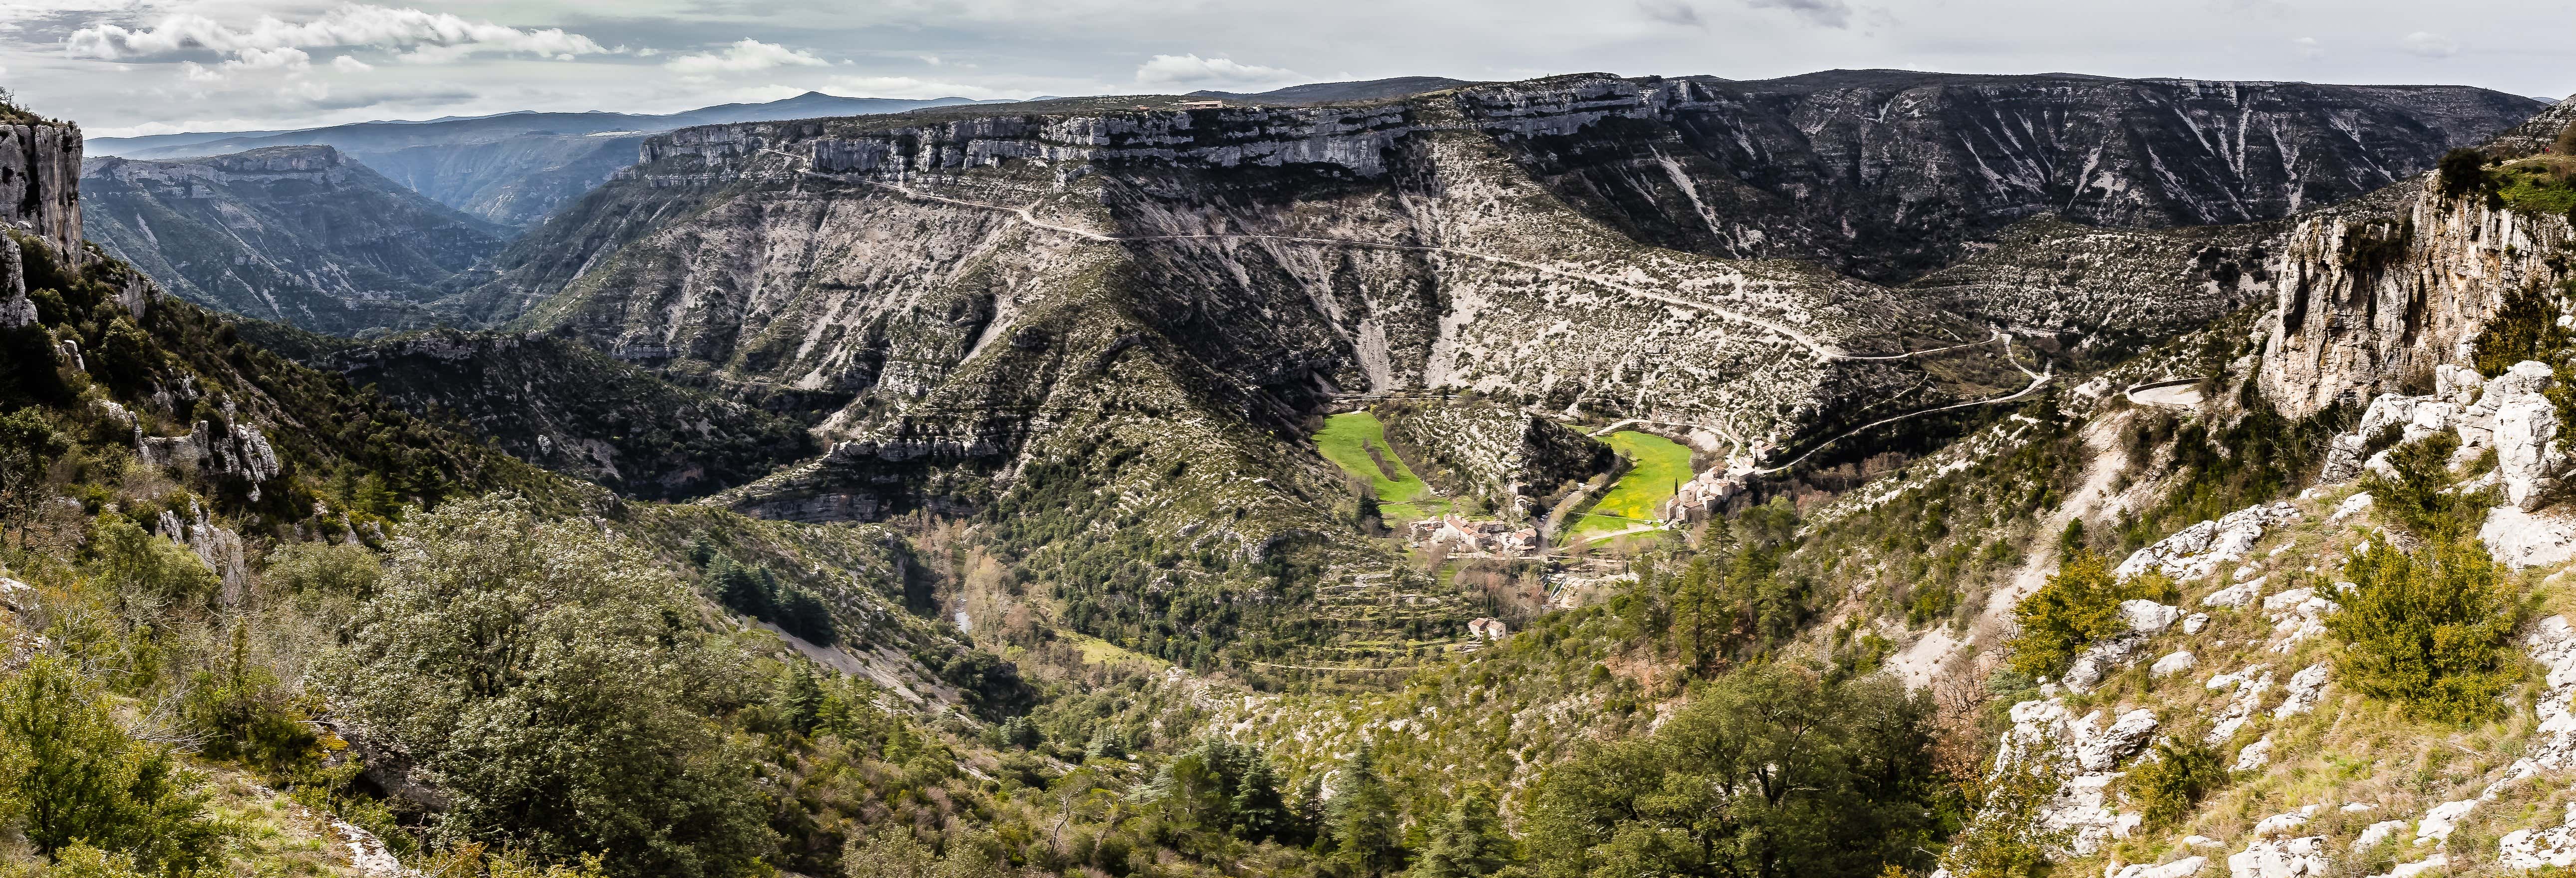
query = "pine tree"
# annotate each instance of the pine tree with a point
(804, 701)
(1259, 811)
(1365, 823)
(1468, 842)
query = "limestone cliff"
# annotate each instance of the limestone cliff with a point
(40, 163)
(2371, 296)
(298, 234)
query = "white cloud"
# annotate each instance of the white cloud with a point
(1672, 12)
(346, 64)
(911, 88)
(1828, 13)
(347, 25)
(2430, 45)
(1194, 71)
(743, 57)
(2309, 48)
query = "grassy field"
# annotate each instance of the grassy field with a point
(1658, 466)
(1346, 440)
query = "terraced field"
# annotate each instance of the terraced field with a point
(1356, 441)
(1657, 466)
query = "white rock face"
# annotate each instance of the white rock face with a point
(2082, 807)
(2291, 858)
(2148, 617)
(2250, 684)
(2297, 615)
(2521, 539)
(2441, 820)
(2351, 506)
(2103, 752)
(2305, 688)
(2533, 849)
(2255, 755)
(2196, 551)
(2553, 644)
(2376, 833)
(2236, 595)
(2526, 451)
(2101, 659)
(2173, 663)
(2193, 623)
(2182, 868)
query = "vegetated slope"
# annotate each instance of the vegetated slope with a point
(568, 408)
(2098, 294)
(1160, 324)
(297, 234)
(1889, 174)
(512, 168)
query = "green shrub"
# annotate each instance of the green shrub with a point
(2007, 837)
(2463, 172)
(2525, 327)
(1771, 770)
(2166, 787)
(70, 777)
(2078, 607)
(2419, 498)
(2425, 630)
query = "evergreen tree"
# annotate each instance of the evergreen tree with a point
(804, 700)
(1468, 842)
(1259, 811)
(1366, 830)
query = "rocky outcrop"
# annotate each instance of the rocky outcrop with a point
(557, 404)
(40, 165)
(295, 234)
(2088, 756)
(2508, 414)
(2373, 296)
(2199, 550)
(1500, 452)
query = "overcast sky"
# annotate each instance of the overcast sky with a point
(123, 67)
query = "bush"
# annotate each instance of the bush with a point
(74, 778)
(2168, 785)
(2425, 630)
(2463, 172)
(2080, 606)
(1771, 770)
(2525, 327)
(2419, 498)
(551, 682)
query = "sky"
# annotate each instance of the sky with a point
(127, 67)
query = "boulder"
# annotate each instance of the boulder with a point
(2148, 617)
(2172, 664)
(2520, 539)
(2290, 858)
(2103, 752)
(2255, 755)
(2528, 460)
(2306, 688)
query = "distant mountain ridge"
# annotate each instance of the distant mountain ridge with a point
(299, 234)
(512, 168)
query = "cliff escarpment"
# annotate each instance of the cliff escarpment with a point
(40, 165)
(2371, 296)
(1889, 174)
(299, 234)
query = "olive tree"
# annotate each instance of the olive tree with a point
(550, 681)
